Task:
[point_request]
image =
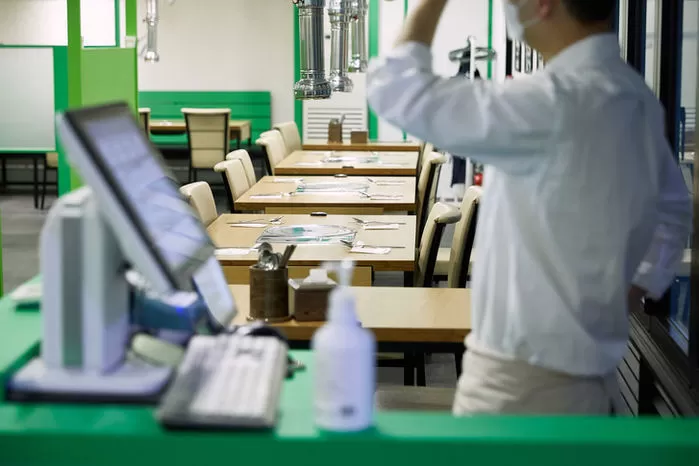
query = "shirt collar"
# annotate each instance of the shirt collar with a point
(598, 47)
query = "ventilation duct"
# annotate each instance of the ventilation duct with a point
(340, 13)
(152, 18)
(359, 61)
(312, 84)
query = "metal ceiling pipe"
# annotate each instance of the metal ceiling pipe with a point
(340, 13)
(152, 17)
(312, 84)
(359, 62)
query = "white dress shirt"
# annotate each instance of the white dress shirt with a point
(582, 196)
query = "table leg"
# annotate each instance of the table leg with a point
(36, 182)
(408, 279)
(459, 359)
(409, 369)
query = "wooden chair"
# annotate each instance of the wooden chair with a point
(144, 117)
(200, 197)
(50, 164)
(455, 263)
(275, 149)
(427, 188)
(234, 179)
(245, 159)
(290, 134)
(208, 137)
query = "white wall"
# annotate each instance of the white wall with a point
(236, 45)
(690, 52)
(45, 22)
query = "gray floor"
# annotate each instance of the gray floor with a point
(21, 225)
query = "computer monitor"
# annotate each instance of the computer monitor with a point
(159, 233)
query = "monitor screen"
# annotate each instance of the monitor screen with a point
(144, 186)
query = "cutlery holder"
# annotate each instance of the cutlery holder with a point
(335, 131)
(269, 295)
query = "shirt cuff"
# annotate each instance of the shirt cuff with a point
(655, 280)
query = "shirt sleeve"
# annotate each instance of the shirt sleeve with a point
(492, 122)
(658, 268)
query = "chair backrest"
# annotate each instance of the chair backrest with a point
(440, 216)
(201, 199)
(244, 157)
(425, 148)
(208, 135)
(464, 236)
(291, 135)
(427, 187)
(52, 159)
(274, 148)
(234, 179)
(144, 117)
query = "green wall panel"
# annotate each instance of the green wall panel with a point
(255, 106)
(108, 75)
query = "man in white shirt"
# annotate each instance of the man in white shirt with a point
(585, 211)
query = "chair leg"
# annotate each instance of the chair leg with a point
(43, 187)
(195, 175)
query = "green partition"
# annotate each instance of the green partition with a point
(255, 106)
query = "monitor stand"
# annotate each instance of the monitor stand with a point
(85, 314)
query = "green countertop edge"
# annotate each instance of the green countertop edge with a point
(45, 434)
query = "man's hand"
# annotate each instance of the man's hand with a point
(636, 298)
(421, 24)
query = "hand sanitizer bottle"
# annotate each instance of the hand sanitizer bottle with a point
(345, 363)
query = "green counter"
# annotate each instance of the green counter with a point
(71, 435)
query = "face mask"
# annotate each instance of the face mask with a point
(515, 28)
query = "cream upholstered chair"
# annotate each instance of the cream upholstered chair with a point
(440, 216)
(200, 197)
(291, 135)
(455, 262)
(234, 179)
(244, 157)
(50, 164)
(208, 136)
(427, 188)
(275, 149)
(144, 118)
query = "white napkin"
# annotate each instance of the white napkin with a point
(381, 226)
(368, 250)
(231, 252)
(287, 180)
(308, 164)
(248, 225)
(266, 196)
(389, 183)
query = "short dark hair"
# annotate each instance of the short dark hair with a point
(591, 11)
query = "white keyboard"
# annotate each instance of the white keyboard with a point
(227, 381)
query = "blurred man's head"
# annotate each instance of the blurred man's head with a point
(549, 26)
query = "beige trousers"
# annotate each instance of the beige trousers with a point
(494, 386)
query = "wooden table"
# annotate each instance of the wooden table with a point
(332, 203)
(240, 129)
(366, 163)
(309, 256)
(384, 146)
(395, 315)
